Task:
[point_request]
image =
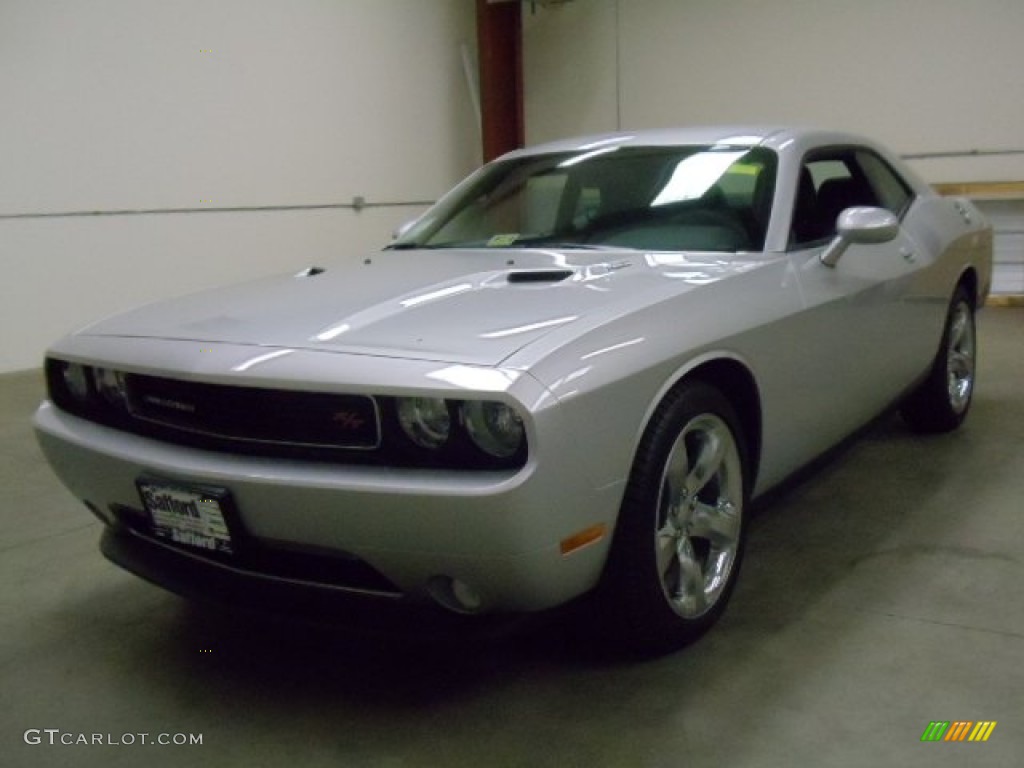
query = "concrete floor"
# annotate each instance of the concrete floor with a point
(880, 593)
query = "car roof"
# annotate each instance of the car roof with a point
(773, 137)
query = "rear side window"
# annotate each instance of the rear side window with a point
(892, 192)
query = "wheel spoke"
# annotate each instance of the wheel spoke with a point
(666, 544)
(957, 329)
(718, 523)
(676, 472)
(691, 578)
(709, 458)
(960, 363)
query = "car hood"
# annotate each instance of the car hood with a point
(462, 306)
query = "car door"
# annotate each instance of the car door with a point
(859, 339)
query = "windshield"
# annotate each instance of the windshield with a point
(703, 198)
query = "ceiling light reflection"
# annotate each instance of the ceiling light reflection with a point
(614, 347)
(585, 156)
(451, 290)
(603, 142)
(476, 379)
(254, 361)
(527, 328)
(333, 332)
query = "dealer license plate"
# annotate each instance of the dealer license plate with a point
(191, 517)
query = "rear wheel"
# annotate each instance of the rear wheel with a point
(679, 540)
(941, 403)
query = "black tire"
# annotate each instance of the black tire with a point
(941, 402)
(680, 534)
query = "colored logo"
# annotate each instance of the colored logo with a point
(958, 730)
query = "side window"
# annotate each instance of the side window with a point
(892, 192)
(829, 183)
(823, 170)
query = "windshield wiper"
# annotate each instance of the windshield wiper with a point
(571, 246)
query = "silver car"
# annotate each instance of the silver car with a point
(571, 375)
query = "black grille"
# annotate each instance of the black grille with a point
(288, 424)
(301, 419)
(293, 562)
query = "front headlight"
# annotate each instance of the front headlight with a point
(110, 385)
(425, 420)
(494, 427)
(96, 393)
(76, 381)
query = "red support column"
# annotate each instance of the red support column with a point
(499, 45)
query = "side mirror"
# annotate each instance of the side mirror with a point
(863, 226)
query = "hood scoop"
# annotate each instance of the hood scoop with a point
(539, 275)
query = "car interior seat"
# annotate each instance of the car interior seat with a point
(836, 195)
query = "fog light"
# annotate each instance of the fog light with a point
(455, 594)
(467, 597)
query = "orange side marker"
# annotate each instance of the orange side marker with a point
(579, 540)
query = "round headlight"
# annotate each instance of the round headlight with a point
(110, 384)
(425, 420)
(494, 427)
(76, 381)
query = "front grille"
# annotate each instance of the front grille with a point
(289, 424)
(251, 415)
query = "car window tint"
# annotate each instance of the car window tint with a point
(709, 198)
(541, 201)
(588, 203)
(829, 183)
(892, 192)
(823, 170)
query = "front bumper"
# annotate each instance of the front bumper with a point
(498, 532)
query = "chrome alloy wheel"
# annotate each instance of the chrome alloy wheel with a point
(960, 355)
(700, 507)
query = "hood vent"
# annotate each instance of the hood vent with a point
(540, 276)
(310, 272)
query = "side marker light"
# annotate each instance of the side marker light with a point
(584, 538)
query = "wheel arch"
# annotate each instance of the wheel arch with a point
(969, 280)
(733, 378)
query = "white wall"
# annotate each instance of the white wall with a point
(570, 69)
(919, 75)
(168, 105)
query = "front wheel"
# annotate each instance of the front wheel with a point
(940, 404)
(679, 540)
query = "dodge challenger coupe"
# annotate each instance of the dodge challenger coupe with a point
(569, 376)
